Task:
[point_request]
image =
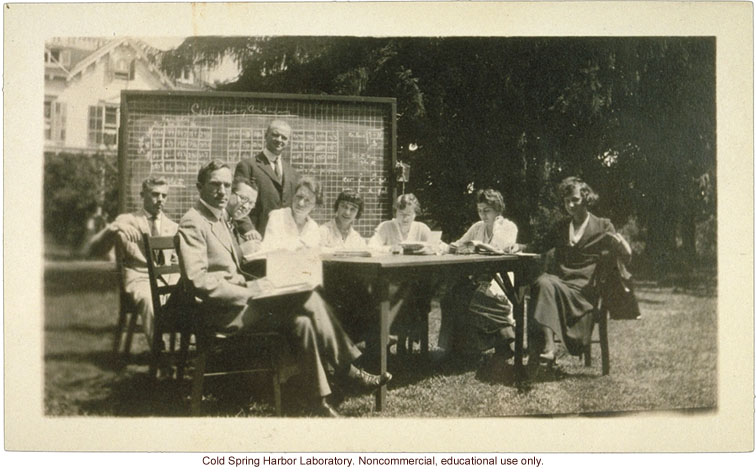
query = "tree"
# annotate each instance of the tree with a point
(633, 116)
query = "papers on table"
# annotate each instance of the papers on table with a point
(352, 253)
(288, 272)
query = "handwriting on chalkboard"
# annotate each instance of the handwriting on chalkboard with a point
(251, 109)
(314, 147)
(175, 182)
(243, 143)
(175, 145)
(343, 144)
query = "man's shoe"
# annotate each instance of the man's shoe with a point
(366, 381)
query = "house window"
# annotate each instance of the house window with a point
(186, 75)
(55, 120)
(57, 57)
(103, 125)
(124, 69)
(48, 120)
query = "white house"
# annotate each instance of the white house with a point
(83, 82)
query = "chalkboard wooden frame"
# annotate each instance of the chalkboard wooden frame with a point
(386, 105)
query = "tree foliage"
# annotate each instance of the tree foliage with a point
(635, 117)
(75, 185)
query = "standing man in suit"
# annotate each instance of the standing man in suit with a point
(128, 228)
(211, 262)
(276, 179)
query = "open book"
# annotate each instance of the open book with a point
(483, 248)
(475, 247)
(289, 272)
(430, 246)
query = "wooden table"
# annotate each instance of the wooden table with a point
(382, 270)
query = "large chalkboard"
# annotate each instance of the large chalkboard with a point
(344, 142)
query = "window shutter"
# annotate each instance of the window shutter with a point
(132, 69)
(62, 122)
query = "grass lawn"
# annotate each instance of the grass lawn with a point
(667, 360)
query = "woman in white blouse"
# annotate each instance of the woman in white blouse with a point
(339, 232)
(349, 296)
(403, 228)
(476, 314)
(292, 228)
(414, 296)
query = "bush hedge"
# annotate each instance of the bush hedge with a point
(74, 186)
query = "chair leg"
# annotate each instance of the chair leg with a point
(183, 354)
(203, 349)
(157, 350)
(119, 331)
(604, 340)
(587, 354)
(401, 346)
(277, 391)
(130, 333)
(154, 359)
(424, 334)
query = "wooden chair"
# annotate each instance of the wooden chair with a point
(126, 309)
(607, 262)
(600, 316)
(169, 319)
(270, 355)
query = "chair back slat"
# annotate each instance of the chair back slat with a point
(160, 242)
(167, 269)
(165, 289)
(159, 284)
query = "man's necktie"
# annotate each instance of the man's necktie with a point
(160, 259)
(232, 235)
(153, 226)
(277, 168)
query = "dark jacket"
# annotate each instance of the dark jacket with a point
(272, 193)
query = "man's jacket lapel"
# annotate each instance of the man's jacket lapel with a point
(267, 170)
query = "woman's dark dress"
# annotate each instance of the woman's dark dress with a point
(560, 300)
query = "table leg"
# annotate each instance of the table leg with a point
(519, 315)
(382, 292)
(515, 291)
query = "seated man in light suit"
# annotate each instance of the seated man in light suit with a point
(129, 227)
(211, 263)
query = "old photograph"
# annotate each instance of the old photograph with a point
(390, 227)
(601, 144)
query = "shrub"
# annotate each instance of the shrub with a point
(74, 186)
(635, 236)
(706, 238)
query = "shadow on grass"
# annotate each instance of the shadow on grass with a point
(698, 283)
(648, 301)
(139, 395)
(75, 278)
(105, 360)
(82, 329)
